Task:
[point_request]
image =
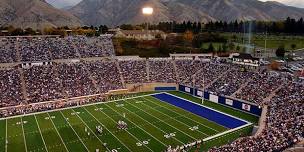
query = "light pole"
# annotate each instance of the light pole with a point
(147, 11)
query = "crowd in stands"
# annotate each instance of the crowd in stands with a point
(10, 88)
(230, 82)
(28, 88)
(42, 84)
(106, 74)
(260, 87)
(161, 70)
(76, 80)
(63, 48)
(33, 49)
(68, 80)
(186, 68)
(207, 75)
(7, 50)
(134, 71)
(285, 123)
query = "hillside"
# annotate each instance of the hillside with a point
(116, 12)
(34, 13)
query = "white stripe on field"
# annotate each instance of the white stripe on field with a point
(58, 132)
(41, 133)
(75, 132)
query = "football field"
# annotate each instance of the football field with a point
(153, 125)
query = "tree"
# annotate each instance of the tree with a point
(29, 31)
(231, 46)
(17, 31)
(238, 48)
(188, 37)
(126, 27)
(225, 47)
(293, 46)
(274, 65)
(280, 52)
(211, 48)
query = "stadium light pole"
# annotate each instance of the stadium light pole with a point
(147, 11)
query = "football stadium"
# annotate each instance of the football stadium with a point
(151, 75)
(74, 94)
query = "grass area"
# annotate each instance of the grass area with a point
(273, 41)
(274, 44)
(237, 113)
(149, 122)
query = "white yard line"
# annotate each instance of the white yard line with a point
(23, 135)
(126, 130)
(41, 133)
(142, 129)
(164, 122)
(58, 132)
(6, 140)
(75, 132)
(107, 129)
(173, 119)
(182, 115)
(153, 125)
(226, 132)
(92, 131)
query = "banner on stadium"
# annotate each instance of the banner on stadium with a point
(229, 102)
(199, 93)
(213, 98)
(246, 107)
(187, 89)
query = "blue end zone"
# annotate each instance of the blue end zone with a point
(165, 88)
(219, 118)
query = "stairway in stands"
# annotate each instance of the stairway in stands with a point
(91, 78)
(240, 88)
(23, 84)
(224, 73)
(148, 70)
(273, 93)
(175, 70)
(120, 73)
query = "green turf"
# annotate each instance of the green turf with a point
(237, 113)
(15, 135)
(2, 134)
(148, 119)
(33, 137)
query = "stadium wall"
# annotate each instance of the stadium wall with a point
(146, 87)
(224, 100)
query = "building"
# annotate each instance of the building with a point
(245, 59)
(139, 34)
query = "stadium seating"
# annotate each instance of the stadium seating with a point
(21, 86)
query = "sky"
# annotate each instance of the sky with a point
(65, 3)
(296, 3)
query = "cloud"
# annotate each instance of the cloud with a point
(63, 3)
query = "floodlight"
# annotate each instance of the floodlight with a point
(147, 10)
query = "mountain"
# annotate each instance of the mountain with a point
(36, 14)
(117, 12)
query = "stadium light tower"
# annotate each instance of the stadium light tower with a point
(147, 11)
